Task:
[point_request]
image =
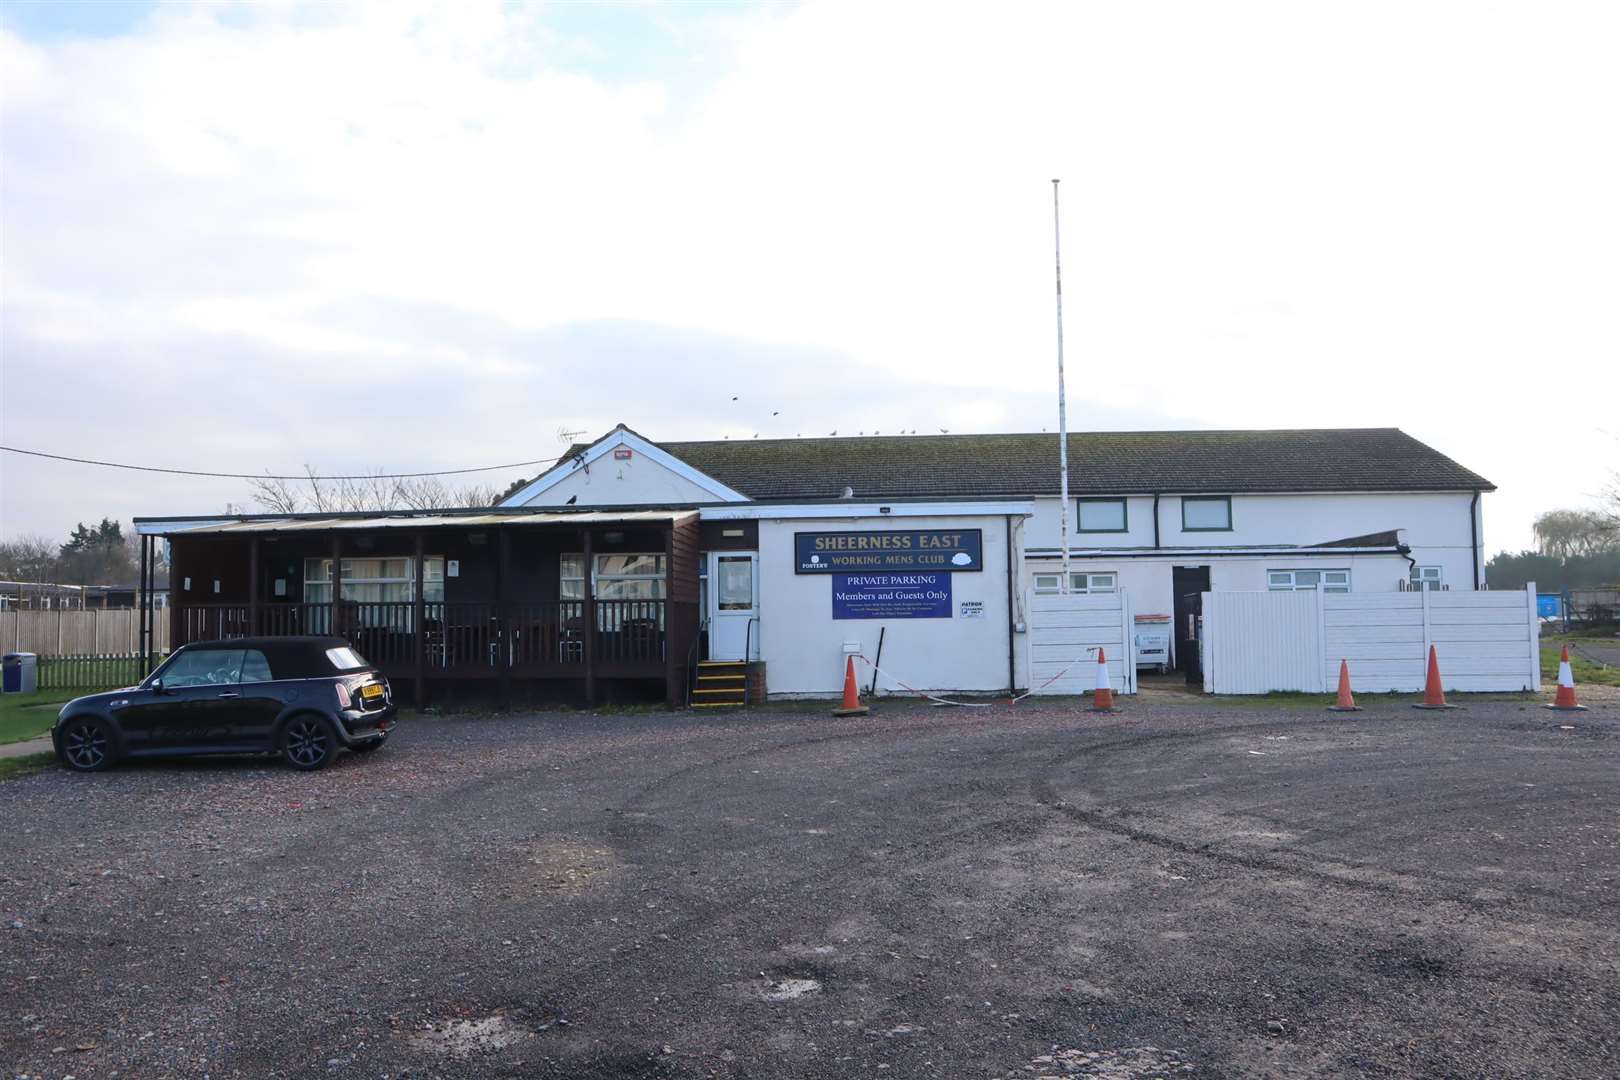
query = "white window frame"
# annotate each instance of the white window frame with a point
(318, 572)
(577, 558)
(1423, 578)
(1080, 581)
(1275, 579)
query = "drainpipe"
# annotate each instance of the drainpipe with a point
(1012, 613)
(1155, 520)
(1473, 535)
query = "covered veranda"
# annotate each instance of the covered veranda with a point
(498, 597)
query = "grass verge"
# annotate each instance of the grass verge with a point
(1586, 672)
(13, 767)
(23, 716)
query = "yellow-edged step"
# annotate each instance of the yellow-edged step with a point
(720, 684)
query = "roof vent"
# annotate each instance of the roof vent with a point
(849, 492)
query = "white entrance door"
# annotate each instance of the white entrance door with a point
(733, 605)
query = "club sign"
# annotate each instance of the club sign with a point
(913, 551)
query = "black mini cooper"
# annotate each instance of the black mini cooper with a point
(304, 698)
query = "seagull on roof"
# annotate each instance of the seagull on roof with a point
(777, 413)
(570, 501)
(733, 397)
(944, 431)
(831, 433)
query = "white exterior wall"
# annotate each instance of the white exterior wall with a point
(1436, 526)
(1149, 580)
(607, 482)
(803, 645)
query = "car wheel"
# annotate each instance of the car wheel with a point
(307, 742)
(86, 744)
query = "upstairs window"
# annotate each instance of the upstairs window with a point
(1336, 581)
(1102, 516)
(1206, 513)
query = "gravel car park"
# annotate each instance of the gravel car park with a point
(1181, 889)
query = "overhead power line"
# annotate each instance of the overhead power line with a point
(275, 476)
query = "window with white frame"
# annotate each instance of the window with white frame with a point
(1079, 582)
(1337, 581)
(375, 581)
(1427, 577)
(1101, 516)
(618, 577)
(372, 583)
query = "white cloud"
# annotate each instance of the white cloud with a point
(1275, 215)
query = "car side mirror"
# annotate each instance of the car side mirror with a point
(156, 686)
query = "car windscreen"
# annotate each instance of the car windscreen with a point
(345, 658)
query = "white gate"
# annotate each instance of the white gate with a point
(1065, 632)
(1258, 642)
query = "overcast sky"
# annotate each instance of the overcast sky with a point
(250, 237)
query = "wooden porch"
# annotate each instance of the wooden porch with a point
(520, 629)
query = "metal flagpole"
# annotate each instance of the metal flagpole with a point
(1063, 413)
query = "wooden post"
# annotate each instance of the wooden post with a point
(419, 622)
(253, 586)
(503, 623)
(671, 672)
(589, 628)
(337, 583)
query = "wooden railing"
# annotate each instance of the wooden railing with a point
(209, 622)
(531, 637)
(629, 631)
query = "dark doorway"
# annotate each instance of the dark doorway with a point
(1188, 585)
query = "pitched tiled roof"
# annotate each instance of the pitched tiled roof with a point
(1100, 463)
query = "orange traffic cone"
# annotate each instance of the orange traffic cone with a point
(852, 696)
(1434, 696)
(1346, 703)
(1102, 699)
(1565, 699)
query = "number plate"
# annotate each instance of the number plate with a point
(372, 691)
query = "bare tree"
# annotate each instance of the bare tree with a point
(31, 558)
(377, 492)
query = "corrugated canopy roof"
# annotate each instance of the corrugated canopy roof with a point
(427, 520)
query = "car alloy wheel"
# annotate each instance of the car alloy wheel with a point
(308, 743)
(85, 746)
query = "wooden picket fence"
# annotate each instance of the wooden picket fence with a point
(91, 672)
(95, 632)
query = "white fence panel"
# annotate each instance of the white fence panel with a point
(1259, 642)
(1065, 631)
(1266, 641)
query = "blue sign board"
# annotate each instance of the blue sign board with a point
(1547, 605)
(916, 550)
(891, 596)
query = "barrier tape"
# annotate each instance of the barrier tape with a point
(922, 693)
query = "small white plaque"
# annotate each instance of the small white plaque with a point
(972, 609)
